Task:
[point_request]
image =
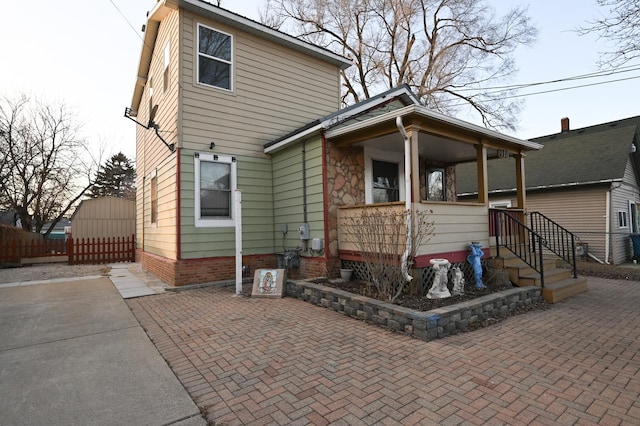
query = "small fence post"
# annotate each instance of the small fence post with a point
(70, 250)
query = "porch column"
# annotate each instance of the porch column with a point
(521, 188)
(415, 166)
(483, 178)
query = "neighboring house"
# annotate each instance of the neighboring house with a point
(59, 231)
(229, 105)
(104, 217)
(9, 217)
(585, 179)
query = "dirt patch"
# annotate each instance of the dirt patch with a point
(50, 271)
(629, 272)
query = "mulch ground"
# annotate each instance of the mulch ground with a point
(495, 281)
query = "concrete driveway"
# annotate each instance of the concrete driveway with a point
(71, 353)
(284, 361)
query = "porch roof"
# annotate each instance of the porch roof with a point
(440, 137)
(402, 93)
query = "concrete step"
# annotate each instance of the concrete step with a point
(560, 290)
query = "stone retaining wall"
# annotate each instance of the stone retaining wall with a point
(427, 325)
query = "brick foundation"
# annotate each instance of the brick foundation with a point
(312, 267)
(198, 271)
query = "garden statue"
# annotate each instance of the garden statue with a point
(474, 260)
(439, 288)
(458, 282)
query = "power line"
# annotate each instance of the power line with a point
(569, 88)
(127, 20)
(596, 74)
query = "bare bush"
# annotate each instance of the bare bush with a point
(379, 235)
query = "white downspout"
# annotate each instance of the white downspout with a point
(238, 213)
(407, 197)
(607, 226)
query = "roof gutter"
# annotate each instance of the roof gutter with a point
(533, 188)
(293, 138)
(245, 24)
(157, 14)
(433, 115)
(209, 11)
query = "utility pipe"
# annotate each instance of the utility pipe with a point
(607, 226)
(407, 197)
(238, 214)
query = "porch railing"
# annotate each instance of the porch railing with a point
(518, 238)
(555, 238)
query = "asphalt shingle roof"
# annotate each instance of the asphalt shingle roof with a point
(577, 157)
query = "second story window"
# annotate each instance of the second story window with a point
(214, 58)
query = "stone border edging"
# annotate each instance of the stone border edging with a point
(423, 325)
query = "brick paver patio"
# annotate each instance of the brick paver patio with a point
(284, 361)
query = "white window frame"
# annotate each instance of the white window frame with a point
(633, 223)
(371, 154)
(197, 59)
(206, 222)
(166, 76)
(153, 176)
(500, 204)
(623, 219)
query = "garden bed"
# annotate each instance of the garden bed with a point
(424, 325)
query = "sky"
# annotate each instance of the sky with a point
(85, 54)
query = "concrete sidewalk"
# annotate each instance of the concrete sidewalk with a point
(71, 353)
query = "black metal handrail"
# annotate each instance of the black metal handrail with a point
(518, 238)
(555, 238)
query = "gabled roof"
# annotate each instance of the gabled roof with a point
(109, 198)
(590, 155)
(402, 94)
(215, 13)
(384, 109)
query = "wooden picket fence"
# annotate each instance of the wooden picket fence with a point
(90, 251)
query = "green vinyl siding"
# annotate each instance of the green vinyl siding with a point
(288, 192)
(255, 184)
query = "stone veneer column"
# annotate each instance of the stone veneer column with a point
(345, 186)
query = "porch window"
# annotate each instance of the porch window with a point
(384, 176)
(214, 57)
(215, 182)
(386, 187)
(436, 185)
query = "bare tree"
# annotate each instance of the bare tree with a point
(42, 162)
(445, 50)
(621, 27)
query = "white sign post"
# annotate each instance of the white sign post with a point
(238, 214)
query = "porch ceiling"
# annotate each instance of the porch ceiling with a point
(433, 147)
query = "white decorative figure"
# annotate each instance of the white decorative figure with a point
(439, 288)
(458, 282)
